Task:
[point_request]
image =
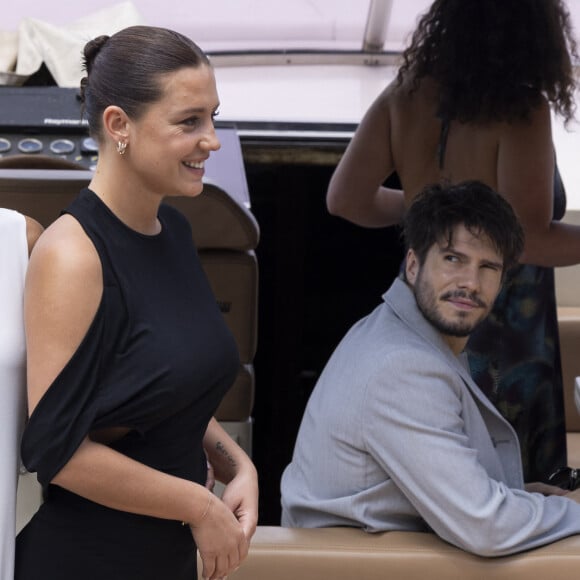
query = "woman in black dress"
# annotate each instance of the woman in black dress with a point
(128, 353)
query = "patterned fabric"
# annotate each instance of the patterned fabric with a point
(515, 359)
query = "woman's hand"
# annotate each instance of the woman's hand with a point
(220, 539)
(210, 479)
(241, 496)
(235, 470)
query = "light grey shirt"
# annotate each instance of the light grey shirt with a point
(397, 436)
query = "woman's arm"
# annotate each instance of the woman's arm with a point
(62, 293)
(355, 191)
(105, 476)
(235, 469)
(525, 175)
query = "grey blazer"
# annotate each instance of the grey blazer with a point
(397, 436)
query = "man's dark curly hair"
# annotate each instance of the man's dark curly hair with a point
(493, 59)
(439, 208)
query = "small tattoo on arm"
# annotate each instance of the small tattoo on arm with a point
(221, 448)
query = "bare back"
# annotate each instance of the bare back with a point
(401, 133)
(422, 155)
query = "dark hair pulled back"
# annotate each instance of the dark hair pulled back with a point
(125, 69)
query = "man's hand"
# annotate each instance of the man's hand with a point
(574, 495)
(545, 489)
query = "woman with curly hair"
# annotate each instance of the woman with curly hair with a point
(472, 100)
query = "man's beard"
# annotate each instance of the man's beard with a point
(427, 303)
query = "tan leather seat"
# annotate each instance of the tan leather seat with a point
(25, 161)
(351, 554)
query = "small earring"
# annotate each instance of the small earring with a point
(121, 147)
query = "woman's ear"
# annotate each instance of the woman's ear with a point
(411, 267)
(116, 124)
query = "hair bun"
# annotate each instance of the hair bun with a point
(92, 48)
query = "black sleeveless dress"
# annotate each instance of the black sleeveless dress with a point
(514, 356)
(157, 359)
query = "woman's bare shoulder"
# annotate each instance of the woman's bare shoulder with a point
(409, 103)
(62, 294)
(391, 95)
(65, 251)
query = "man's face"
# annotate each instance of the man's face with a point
(457, 284)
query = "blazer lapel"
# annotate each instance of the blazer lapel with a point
(401, 299)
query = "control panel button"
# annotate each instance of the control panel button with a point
(62, 146)
(89, 146)
(30, 145)
(5, 145)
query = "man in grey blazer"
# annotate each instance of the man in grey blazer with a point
(396, 434)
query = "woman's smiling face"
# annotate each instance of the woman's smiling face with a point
(170, 142)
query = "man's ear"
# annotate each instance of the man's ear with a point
(411, 267)
(116, 123)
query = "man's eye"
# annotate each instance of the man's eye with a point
(492, 267)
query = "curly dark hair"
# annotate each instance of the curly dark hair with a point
(494, 59)
(439, 208)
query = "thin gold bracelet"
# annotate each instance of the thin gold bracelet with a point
(205, 511)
